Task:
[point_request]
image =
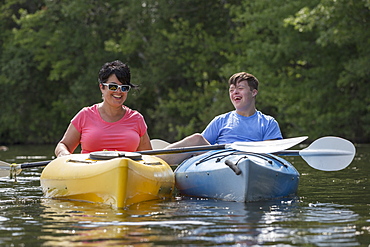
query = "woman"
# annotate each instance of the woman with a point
(109, 125)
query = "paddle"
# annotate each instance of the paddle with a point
(252, 147)
(158, 144)
(7, 169)
(326, 154)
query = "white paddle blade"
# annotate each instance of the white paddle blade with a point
(329, 153)
(271, 146)
(4, 169)
(158, 144)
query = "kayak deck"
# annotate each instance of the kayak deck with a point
(262, 176)
(118, 182)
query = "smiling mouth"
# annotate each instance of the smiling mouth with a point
(117, 96)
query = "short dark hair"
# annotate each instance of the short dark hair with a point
(121, 70)
(244, 76)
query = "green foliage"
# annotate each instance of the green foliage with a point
(311, 57)
(188, 111)
(45, 56)
(338, 67)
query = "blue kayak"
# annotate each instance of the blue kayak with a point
(236, 176)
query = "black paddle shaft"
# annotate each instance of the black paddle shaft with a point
(182, 149)
(147, 152)
(35, 164)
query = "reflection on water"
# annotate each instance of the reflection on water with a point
(141, 223)
(197, 222)
(331, 209)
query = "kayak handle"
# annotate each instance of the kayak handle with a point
(233, 167)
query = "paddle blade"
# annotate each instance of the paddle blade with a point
(4, 169)
(7, 169)
(158, 144)
(329, 153)
(272, 146)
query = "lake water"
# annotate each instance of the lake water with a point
(331, 209)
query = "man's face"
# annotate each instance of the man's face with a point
(241, 96)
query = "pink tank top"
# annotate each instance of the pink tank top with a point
(98, 135)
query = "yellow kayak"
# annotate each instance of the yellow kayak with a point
(118, 182)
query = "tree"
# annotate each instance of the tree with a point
(310, 56)
(338, 70)
(50, 68)
(181, 53)
(307, 70)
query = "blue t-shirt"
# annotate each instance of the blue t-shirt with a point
(231, 127)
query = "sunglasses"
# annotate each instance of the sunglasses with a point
(114, 87)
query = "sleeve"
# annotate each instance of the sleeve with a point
(138, 121)
(78, 120)
(212, 130)
(142, 126)
(273, 131)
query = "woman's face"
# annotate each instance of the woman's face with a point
(113, 98)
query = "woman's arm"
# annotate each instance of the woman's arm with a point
(69, 142)
(144, 143)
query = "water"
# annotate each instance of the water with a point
(331, 209)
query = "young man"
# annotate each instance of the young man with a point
(245, 123)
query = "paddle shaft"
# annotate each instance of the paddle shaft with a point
(182, 150)
(147, 152)
(255, 147)
(31, 164)
(271, 146)
(316, 155)
(34, 164)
